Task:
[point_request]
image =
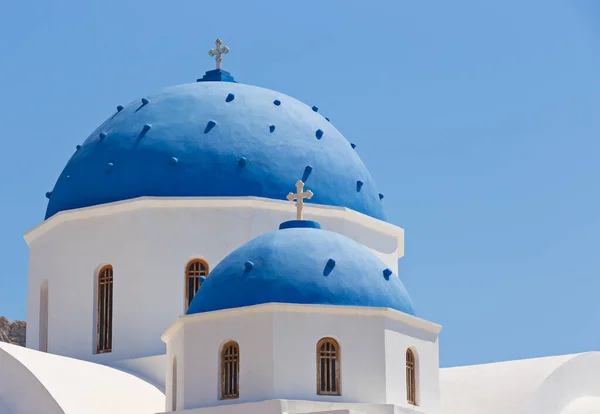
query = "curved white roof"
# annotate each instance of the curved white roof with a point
(57, 384)
(583, 405)
(551, 385)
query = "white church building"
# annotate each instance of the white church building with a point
(216, 247)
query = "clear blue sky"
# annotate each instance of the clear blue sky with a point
(480, 121)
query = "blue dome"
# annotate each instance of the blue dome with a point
(215, 139)
(301, 265)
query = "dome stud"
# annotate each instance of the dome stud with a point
(249, 265)
(319, 134)
(109, 167)
(102, 135)
(145, 101)
(316, 109)
(209, 126)
(271, 128)
(242, 161)
(353, 145)
(119, 108)
(307, 170)
(387, 273)
(174, 161)
(381, 196)
(48, 194)
(276, 102)
(230, 97)
(328, 267)
(359, 185)
(77, 147)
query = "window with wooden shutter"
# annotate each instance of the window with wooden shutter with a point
(105, 310)
(194, 270)
(328, 367)
(411, 386)
(230, 371)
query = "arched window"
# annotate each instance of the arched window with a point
(105, 310)
(194, 270)
(230, 371)
(43, 322)
(174, 386)
(328, 367)
(411, 385)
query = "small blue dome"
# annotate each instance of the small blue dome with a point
(303, 265)
(215, 139)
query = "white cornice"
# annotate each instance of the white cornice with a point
(393, 314)
(219, 202)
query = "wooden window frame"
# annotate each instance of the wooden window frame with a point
(227, 366)
(105, 282)
(411, 377)
(194, 274)
(337, 356)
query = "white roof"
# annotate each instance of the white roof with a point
(57, 384)
(550, 385)
(583, 405)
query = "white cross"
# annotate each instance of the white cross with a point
(299, 198)
(218, 52)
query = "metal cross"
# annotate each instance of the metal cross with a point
(299, 198)
(218, 52)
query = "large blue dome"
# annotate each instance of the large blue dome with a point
(301, 266)
(215, 139)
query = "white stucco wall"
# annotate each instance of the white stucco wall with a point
(149, 241)
(278, 353)
(197, 349)
(424, 344)
(150, 369)
(176, 352)
(361, 346)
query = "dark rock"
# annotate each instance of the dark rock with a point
(12, 332)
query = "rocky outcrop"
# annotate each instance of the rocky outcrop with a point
(12, 332)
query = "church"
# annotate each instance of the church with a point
(217, 247)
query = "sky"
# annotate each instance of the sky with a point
(478, 120)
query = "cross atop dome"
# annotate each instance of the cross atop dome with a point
(218, 74)
(218, 52)
(299, 198)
